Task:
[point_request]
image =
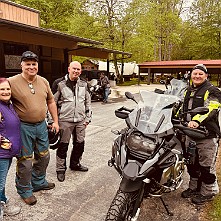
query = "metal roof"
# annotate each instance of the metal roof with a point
(96, 51)
(213, 66)
(181, 63)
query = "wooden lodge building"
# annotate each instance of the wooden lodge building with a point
(20, 31)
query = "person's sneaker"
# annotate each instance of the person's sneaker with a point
(200, 199)
(10, 209)
(30, 200)
(61, 176)
(48, 187)
(188, 193)
(79, 167)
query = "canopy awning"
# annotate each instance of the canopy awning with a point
(213, 66)
(97, 52)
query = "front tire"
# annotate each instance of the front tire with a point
(122, 206)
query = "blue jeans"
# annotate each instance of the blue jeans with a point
(4, 167)
(31, 172)
(106, 93)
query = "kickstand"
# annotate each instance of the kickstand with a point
(166, 207)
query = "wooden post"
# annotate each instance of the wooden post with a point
(149, 77)
(2, 60)
(66, 60)
(138, 75)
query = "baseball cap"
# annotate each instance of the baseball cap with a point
(201, 67)
(29, 55)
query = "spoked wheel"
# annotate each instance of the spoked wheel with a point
(122, 206)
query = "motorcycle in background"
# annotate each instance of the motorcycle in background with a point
(96, 90)
(148, 154)
(176, 87)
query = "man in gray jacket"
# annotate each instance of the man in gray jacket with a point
(74, 110)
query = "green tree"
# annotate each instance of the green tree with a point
(206, 18)
(149, 29)
(201, 32)
(160, 25)
(114, 25)
(64, 15)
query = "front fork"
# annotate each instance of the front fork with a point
(139, 199)
(136, 201)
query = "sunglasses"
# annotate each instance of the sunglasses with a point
(30, 85)
(29, 56)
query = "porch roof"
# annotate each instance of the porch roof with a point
(11, 31)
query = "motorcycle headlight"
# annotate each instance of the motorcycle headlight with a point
(140, 144)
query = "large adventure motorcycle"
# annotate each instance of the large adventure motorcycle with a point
(149, 154)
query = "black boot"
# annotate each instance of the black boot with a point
(61, 176)
(200, 199)
(76, 154)
(79, 167)
(188, 193)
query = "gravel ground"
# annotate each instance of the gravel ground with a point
(87, 196)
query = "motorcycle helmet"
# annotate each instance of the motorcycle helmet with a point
(54, 138)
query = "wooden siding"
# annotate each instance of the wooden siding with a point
(18, 14)
(58, 54)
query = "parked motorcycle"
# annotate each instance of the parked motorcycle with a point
(176, 87)
(148, 154)
(185, 79)
(96, 90)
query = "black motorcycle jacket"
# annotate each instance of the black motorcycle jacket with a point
(205, 95)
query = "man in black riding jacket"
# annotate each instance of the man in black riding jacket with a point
(203, 184)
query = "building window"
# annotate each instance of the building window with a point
(13, 49)
(12, 53)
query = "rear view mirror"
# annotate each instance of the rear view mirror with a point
(130, 96)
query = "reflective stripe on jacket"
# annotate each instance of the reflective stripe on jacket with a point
(206, 95)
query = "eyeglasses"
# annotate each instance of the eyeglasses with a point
(30, 85)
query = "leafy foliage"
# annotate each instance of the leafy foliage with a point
(201, 38)
(149, 29)
(62, 15)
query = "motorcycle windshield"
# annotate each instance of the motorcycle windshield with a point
(177, 87)
(153, 113)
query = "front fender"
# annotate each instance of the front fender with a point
(130, 185)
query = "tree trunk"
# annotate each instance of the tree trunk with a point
(119, 76)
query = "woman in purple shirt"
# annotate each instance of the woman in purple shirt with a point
(10, 144)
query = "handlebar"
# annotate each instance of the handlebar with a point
(123, 112)
(125, 109)
(198, 133)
